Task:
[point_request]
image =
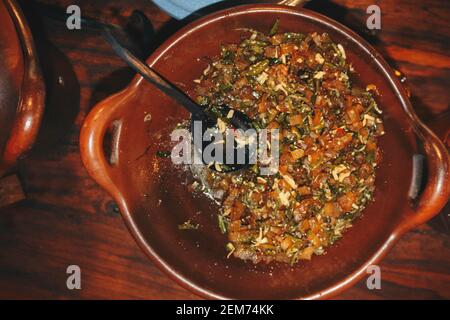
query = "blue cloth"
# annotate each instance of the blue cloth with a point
(180, 9)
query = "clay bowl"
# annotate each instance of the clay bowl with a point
(22, 91)
(152, 194)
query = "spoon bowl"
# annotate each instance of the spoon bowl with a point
(220, 124)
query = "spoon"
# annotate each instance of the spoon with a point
(208, 116)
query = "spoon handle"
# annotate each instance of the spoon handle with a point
(150, 75)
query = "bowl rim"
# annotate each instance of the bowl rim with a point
(436, 150)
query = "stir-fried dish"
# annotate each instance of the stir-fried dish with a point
(300, 84)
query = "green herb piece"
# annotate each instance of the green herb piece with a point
(258, 67)
(222, 224)
(188, 225)
(275, 27)
(163, 154)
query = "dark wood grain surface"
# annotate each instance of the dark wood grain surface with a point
(69, 220)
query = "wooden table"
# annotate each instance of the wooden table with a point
(69, 220)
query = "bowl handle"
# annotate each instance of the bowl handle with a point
(436, 192)
(105, 116)
(32, 96)
(437, 189)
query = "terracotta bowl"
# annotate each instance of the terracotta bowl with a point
(152, 193)
(22, 91)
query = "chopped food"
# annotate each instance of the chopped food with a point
(328, 127)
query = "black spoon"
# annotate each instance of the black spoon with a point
(208, 117)
(137, 36)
